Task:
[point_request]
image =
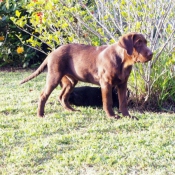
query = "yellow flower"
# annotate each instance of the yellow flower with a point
(1, 38)
(20, 50)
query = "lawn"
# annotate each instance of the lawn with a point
(80, 143)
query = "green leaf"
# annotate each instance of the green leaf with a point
(138, 25)
(17, 13)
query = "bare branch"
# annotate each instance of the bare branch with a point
(158, 54)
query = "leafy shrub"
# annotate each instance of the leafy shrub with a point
(10, 54)
(162, 89)
(164, 86)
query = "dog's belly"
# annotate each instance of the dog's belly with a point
(89, 78)
(85, 75)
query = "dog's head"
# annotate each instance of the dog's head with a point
(135, 46)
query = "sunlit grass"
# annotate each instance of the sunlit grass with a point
(86, 142)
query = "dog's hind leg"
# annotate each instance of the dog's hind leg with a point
(67, 84)
(51, 83)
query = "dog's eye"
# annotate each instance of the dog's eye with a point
(139, 42)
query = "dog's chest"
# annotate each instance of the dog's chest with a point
(122, 76)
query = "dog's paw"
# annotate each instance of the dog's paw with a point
(133, 117)
(115, 117)
(120, 117)
(42, 116)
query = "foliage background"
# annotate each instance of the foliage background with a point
(45, 25)
(13, 52)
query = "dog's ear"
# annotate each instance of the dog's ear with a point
(127, 42)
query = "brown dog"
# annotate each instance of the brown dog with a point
(107, 66)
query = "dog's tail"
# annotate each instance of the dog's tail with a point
(36, 73)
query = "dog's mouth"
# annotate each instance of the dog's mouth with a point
(144, 60)
(148, 59)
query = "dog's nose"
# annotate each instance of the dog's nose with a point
(150, 55)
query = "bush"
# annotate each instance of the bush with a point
(162, 89)
(13, 51)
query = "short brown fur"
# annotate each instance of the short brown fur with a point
(106, 66)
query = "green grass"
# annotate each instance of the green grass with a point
(80, 143)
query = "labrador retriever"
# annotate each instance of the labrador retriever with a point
(106, 66)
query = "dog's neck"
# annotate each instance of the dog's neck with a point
(126, 61)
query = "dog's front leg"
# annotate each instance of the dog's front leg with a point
(123, 106)
(122, 99)
(107, 100)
